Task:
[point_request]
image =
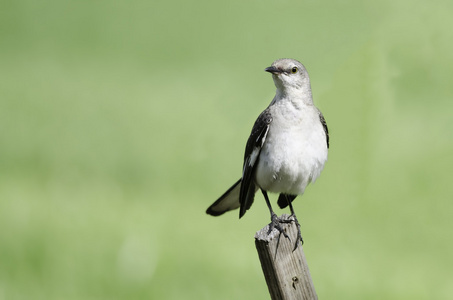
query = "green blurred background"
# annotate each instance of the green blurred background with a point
(121, 121)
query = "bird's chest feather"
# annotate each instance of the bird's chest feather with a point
(286, 150)
(294, 152)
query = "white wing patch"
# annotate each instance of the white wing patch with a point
(254, 156)
(264, 136)
(251, 160)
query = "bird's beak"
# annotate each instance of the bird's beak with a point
(273, 70)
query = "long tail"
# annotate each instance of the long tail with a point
(228, 201)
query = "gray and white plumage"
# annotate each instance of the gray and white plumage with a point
(288, 145)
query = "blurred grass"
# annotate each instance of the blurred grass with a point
(122, 121)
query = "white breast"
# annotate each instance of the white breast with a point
(294, 152)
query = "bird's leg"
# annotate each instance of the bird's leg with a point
(275, 221)
(299, 235)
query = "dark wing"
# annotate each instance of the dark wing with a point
(252, 152)
(324, 125)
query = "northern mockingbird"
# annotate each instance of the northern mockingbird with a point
(286, 150)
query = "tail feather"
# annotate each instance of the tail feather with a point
(228, 201)
(284, 199)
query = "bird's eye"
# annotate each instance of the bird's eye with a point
(294, 70)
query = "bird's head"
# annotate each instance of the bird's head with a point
(290, 76)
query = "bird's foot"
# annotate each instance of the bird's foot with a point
(275, 223)
(299, 235)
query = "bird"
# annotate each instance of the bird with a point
(286, 150)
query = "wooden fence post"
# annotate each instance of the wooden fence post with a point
(286, 272)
